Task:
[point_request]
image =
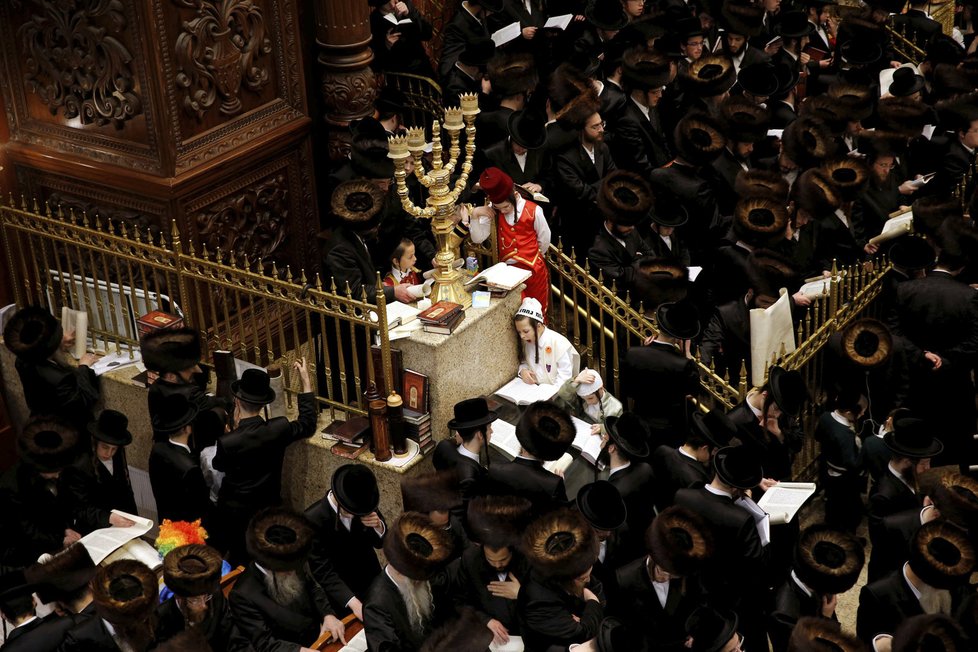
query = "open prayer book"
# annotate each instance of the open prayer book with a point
(783, 500)
(816, 287)
(897, 225)
(356, 644)
(504, 439)
(559, 22)
(524, 393)
(102, 543)
(509, 33)
(501, 276)
(584, 441)
(392, 19)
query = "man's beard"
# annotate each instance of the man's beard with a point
(193, 615)
(137, 635)
(418, 602)
(286, 589)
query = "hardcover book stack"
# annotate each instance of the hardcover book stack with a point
(417, 418)
(442, 318)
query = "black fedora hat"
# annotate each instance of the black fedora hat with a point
(169, 413)
(911, 438)
(48, 444)
(912, 254)
(625, 198)
(759, 79)
(743, 18)
(715, 427)
(369, 160)
(678, 319)
(680, 541)
(527, 128)
(253, 387)
(355, 489)
(942, 555)
(112, 428)
(794, 24)
(33, 334)
(788, 389)
(828, 561)
(906, 82)
(710, 629)
(602, 505)
(629, 432)
(788, 78)
(472, 413)
(867, 342)
(545, 430)
(608, 15)
(669, 212)
(390, 101)
(738, 467)
(861, 52)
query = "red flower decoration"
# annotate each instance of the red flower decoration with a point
(549, 350)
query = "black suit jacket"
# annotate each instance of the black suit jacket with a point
(41, 635)
(528, 479)
(614, 261)
(890, 496)
(463, 29)
(501, 155)
(178, 483)
(638, 143)
(782, 114)
(726, 339)
(953, 165)
(637, 603)
(916, 26)
(95, 492)
(218, 627)
(471, 575)
(386, 622)
(658, 377)
(727, 168)
(348, 261)
(342, 561)
(674, 471)
(407, 54)
(58, 390)
(884, 604)
(268, 625)
(547, 612)
(693, 190)
(89, 635)
(790, 604)
(636, 484)
(33, 520)
(578, 178)
(891, 548)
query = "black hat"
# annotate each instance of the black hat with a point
(788, 78)
(768, 272)
(170, 413)
(608, 15)
(472, 413)
(467, 633)
(615, 636)
(911, 438)
(849, 175)
(699, 140)
(861, 52)
(815, 193)
(743, 121)
(808, 142)
(33, 334)
(687, 27)
(192, 570)
(602, 505)
(710, 75)
(867, 342)
(678, 319)
(358, 204)
(906, 82)
(659, 280)
(390, 100)
(710, 629)
(787, 389)
(279, 539)
(646, 69)
(437, 491)
(669, 211)
(545, 430)
(856, 100)
(912, 254)
(942, 48)
(355, 489)
(560, 545)
(817, 634)
(625, 198)
(416, 547)
(13, 587)
(794, 24)
(629, 432)
(761, 183)
(125, 592)
(171, 350)
(254, 387)
(369, 160)
(48, 444)
(759, 79)
(527, 128)
(738, 467)
(828, 561)
(744, 18)
(942, 555)
(715, 427)
(680, 541)
(63, 574)
(497, 521)
(929, 633)
(759, 221)
(512, 74)
(111, 428)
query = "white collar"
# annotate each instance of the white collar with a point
(261, 569)
(641, 107)
(916, 591)
(757, 413)
(718, 492)
(970, 150)
(616, 469)
(397, 274)
(26, 622)
(801, 585)
(841, 419)
(683, 452)
(462, 450)
(183, 446)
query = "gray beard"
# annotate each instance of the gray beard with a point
(286, 589)
(418, 601)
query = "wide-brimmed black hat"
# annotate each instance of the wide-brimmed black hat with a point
(625, 198)
(560, 545)
(13, 588)
(808, 142)
(930, 213)
(254, 387)
(62, 575)
(942, 555)
(699, 139)
(608, 15)
(669, 212)
(602, 505)
(687, 27)
(416, 547)
(111, 428)
(761, 183)
(358, 204)
(646, 69)
(849, 175)
(856, 100)
(477, 52)
(437, 491)
(679, 319)
(743, 18)
(545, 430)
(279, 539)
(906, 82)
(33, 334)
(192, 570)
(710, 75)
(911, 438)
(930, 633)
(768, 272)
(527, 128)
(48, 444)
(680, 541)
(912, 254)
(170, 413)
(355, 489)
(828, 561)
(861, 52)
(794, 24)
(710, 629)
(659, 280)
(815, 193)
(738, 467)
(867, 342)
(629, 433)
(125, 592)
(759, 79)
(759, 221)
(788, 77)
(787, 389)
(817, 634)
(171, 350)
(743, 121)
(714, 427)
(497, 521)
(472, 413)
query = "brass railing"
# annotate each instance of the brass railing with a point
(905, 43)
(422, 95)
(118, 273)
(965, 189)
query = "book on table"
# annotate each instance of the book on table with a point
(501, 277)
(446, 328)
(524, 393)
(440, 313)
(351, 431)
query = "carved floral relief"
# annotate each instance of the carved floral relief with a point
(250, 222)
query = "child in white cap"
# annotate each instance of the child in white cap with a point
(586, 398)
(546, 357)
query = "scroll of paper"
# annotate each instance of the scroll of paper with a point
(770, 329)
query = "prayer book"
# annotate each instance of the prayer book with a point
(894, 228)
(523, 393)
(504, 438)
(440, 313)
(502, 277)
(392, 19)
(784, 500)
(589, 444)
(559, 22)
(103, 542)
(509, 33)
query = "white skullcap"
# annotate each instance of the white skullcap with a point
(531, 308)
(586, 389)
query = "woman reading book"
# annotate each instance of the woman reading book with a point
(546, 357)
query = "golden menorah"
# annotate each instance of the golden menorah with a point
(442, 194)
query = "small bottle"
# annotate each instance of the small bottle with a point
(380, 437)
(395, 423)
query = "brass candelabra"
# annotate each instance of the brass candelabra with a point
(442, 194)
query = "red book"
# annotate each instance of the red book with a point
(440, 313)
(444, 328)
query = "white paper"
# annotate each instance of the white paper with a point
(515, 644)
(922, 181)
(102, 543)
(776, 133)
(815, 289)
(928, 131)
(504, 438)
(503, 36)
(402, 311)
(559, 22)
(397, 461)
(523, 393)
(761, 519)
(113, 361)
(769, 330)
(5, 314)
(77, 321)
(356, 644)
(138, 550)
(694, 272)
(584, 441)
(783, 500)
(502, 276)
(394, 21)
(894, 228)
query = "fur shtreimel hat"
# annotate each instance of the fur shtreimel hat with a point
(942, 555)
(646, 69)
(815, 193)
(33, 334)
(171, 350)
(808, 142)
(761, 183)
(679, 541)
(415, 547)
(849, 175)
(62, 575)
(560, 545)
(467, 633)
(658, 281)
(768, 272)
(813, 634)
(358, 204)
(48, 444)
(710, 75)
(760, 222)
(744, 121)
(193, 570)
(279, 539)
(431, 492)
(545, 430)
(512, 74)
(125, 592)
(856, 100)
(625, 198)
(828, 561)
(498, 521)
(699, 139)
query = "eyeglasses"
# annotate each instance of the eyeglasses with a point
(598, 125)
(694, 44)
(198, 600)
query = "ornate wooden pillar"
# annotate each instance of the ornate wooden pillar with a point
(349, 86)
